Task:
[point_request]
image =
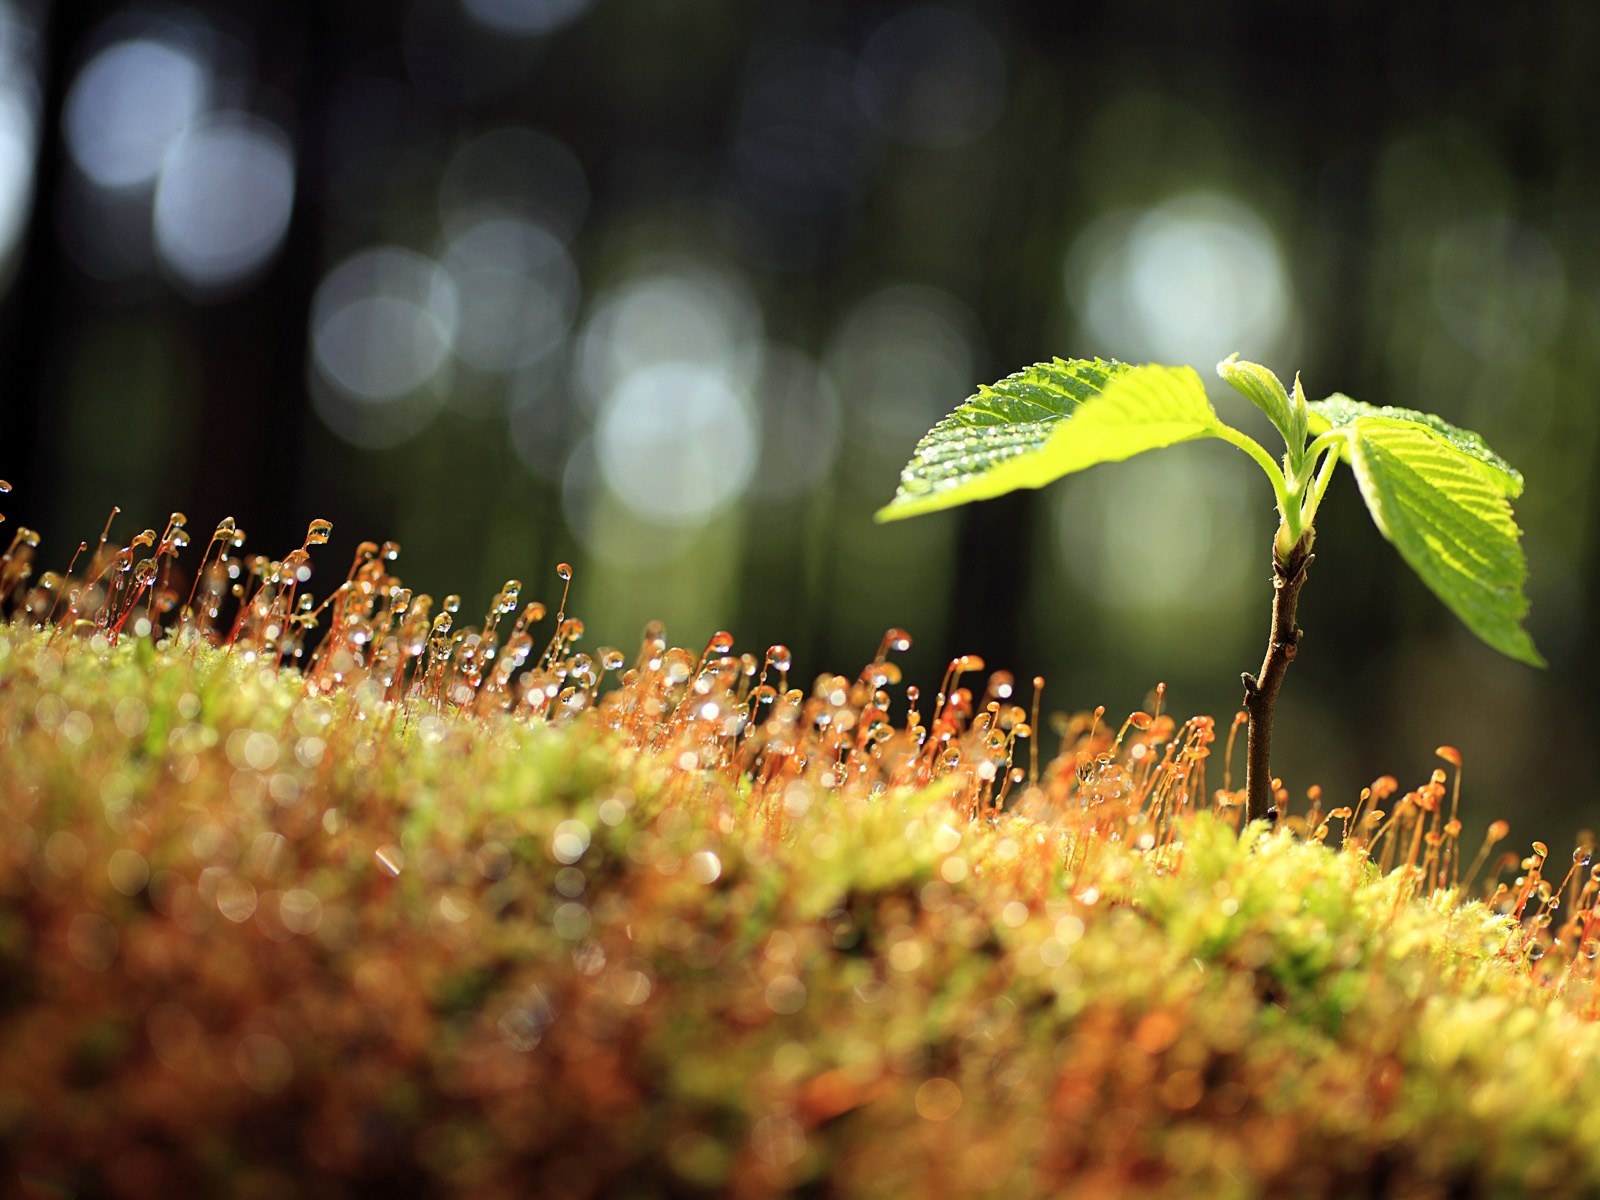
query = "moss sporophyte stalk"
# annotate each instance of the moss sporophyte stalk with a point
(346, 896)
(1438, 493)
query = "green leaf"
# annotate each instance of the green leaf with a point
(1263, 389)
(1013, 418)
(1048, 421)
(1451, 520)
(1339, 411)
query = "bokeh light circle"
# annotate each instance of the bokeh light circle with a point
(518, 291)
(676, 442)
(224, 200)
(128, 106)
(904, 355)
(800, 422)
(383, 323)
(1190, 280)
(518, 171)
(1498, 287)
(680, 313)
(932, 77)
(18, 144)
(525, 18)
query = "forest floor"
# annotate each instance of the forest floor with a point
(435, 929)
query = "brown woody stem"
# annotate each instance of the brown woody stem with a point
(1261, 690)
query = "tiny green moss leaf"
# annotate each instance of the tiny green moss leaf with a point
(1048, 421)
(1450, 519)
(959, 458)
(1263, 389)
(1339, 411)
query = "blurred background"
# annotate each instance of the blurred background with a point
(670, 288)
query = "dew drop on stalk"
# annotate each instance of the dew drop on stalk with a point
(895, 639)
(105, 534)
(318, 532)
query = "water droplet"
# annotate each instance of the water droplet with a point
(564, 571)
(895, 639)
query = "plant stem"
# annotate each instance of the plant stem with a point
(1261, 690)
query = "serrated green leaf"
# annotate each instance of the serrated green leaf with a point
(1451, 521)
(1263, 388)
(1338, 411)
(1048, 421)
(1144, 408)
(1014, 417)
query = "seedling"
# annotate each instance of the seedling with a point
(1437, 492)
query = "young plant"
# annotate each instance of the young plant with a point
(1437, 492)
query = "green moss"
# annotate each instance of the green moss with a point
(256, 936)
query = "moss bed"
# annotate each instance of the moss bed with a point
(266, 932)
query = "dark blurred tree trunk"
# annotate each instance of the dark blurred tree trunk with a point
(991, 582)
(36, 314)
(250, 431)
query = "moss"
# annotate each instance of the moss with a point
(269, 936)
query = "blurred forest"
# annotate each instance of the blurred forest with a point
(670, 288)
